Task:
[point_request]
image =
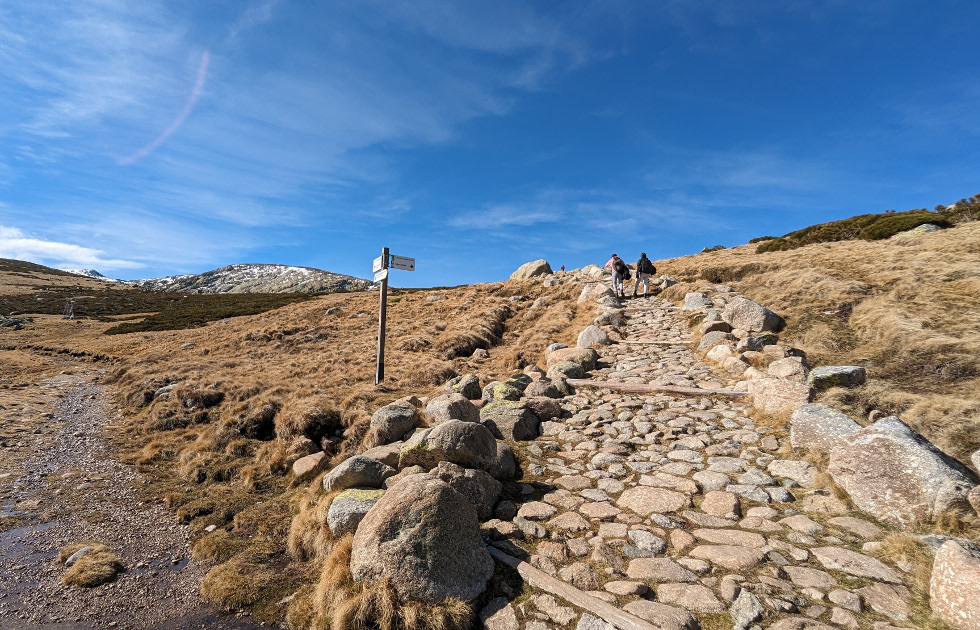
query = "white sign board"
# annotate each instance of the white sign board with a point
(378, 264)
(403, 262)
(380, 275)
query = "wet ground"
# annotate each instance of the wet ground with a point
(60, 485)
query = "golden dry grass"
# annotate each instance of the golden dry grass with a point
(98, 566)
(218, 447)
(905, 309)
(340, 603)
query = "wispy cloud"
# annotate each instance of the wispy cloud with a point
(202, 73)
(15, 244)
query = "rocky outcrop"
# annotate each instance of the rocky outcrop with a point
(532, 269)
(896, 475)
(819, 426)
(424, 537)
(954, 588)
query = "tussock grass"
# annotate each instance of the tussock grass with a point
(339, 603)
(98, 566)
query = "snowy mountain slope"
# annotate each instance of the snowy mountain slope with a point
(253, 278)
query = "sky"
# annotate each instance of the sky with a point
(152, 138)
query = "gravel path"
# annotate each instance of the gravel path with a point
(66, 487)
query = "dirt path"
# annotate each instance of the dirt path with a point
(59, 485)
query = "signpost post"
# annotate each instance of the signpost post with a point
(380, 268)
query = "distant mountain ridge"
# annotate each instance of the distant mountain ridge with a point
(90, 273)
(257, 278)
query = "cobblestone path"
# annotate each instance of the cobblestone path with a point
(683, 512)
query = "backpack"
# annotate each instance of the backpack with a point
(645, 266)
(622, 269)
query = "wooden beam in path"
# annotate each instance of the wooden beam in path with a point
(655, 342)
(539, 579)
(640, 388)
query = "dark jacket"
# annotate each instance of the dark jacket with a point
(643, 265)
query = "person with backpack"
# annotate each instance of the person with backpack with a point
(620, 272)
(644, 269)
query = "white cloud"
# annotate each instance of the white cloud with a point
(17, 245)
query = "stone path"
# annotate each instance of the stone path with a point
(683, 512)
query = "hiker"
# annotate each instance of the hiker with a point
(619, 272)
(644, 269)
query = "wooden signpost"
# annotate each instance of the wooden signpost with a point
(380, 267)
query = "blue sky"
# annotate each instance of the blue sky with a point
(150, 138)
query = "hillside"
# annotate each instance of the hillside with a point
(903, 308)
(248, 278)
(216, 448)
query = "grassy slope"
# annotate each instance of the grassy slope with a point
(903, 308)
(315, 373)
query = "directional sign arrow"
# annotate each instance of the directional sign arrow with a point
(403, 262)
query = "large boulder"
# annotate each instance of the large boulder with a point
(424, 537)
(468, 385)
(504, 467)
(837, 376)
(565, 369)
(349, 508)
(451, 407)
(510, 420)
(975, 460)
(898, 476)
(544, 408)
(497, 390)
(306, 468)
(357, 472)
(714, 338)
(755, 343)
(481, 489)
(593, 336)
(819, 426)
(532, 269)
(586, 357)
(696, 302)
(542, 388)
(595, 292)
(954, 589)
(744, 314)
(774, 395)
(469, 444)
(789, 369)
(392, 422)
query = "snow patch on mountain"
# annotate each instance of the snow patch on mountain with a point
(90, 273)
(255, 278)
